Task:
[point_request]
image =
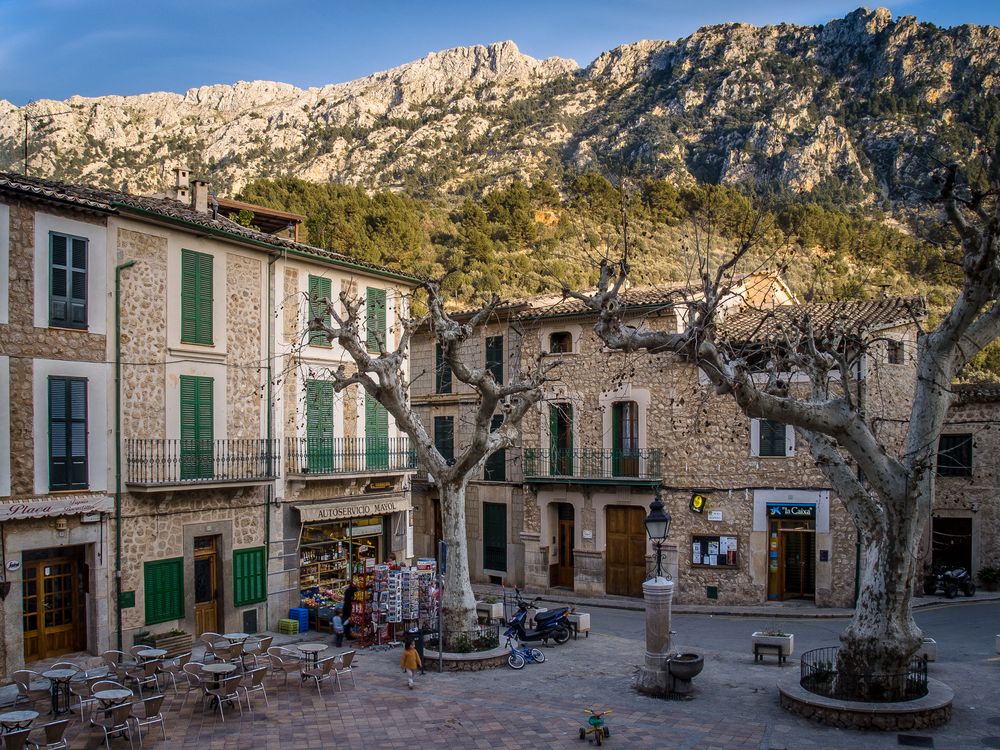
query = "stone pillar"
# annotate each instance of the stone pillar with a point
(658, 594)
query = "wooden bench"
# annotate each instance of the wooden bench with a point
(760, 649)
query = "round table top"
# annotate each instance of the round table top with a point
(59, 674)
(235, 636)
(152, 653)
(115, 694)
(16, 717)
(219, 668)
(312, 648)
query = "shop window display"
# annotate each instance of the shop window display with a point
(330, 553)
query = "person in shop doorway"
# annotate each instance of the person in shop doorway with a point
(410, 662)
(349, 593)
(338, 626)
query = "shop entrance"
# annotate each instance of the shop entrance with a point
(53, 603)
(625, 553)
(791, 570)
(562, 571)
(331, 554)
(952, 542)
(206, 585)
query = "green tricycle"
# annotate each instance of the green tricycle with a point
(595, 726)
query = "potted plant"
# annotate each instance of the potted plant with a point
(774, 638)
(175, 641)
(989, 578)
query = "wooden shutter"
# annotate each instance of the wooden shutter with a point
(444, 437)
(164, 590)
(196, 297)
(495, 536)
(67, 433)
(442, 371)
(561, 439)
(772, 438)
(495, 469)
(197, 427)
(320, 288)
(375, 317)
(249, 576)
(319, 425)
(494, 357)
(376, 434)
(67, 281)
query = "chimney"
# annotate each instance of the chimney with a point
(181, 192)
(199, 196)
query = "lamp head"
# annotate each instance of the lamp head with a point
(658, 520)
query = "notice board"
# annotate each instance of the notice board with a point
(715, 550)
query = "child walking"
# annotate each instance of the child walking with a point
(410, 662)
(338, 627)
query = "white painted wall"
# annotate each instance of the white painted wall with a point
(97, 293)
(98, 430)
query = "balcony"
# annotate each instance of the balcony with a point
(324, 457)
(593, 466)
(161, 465)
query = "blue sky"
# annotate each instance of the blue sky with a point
(52, 49)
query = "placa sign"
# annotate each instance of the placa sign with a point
(715, 515)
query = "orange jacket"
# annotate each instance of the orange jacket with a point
(410, 659)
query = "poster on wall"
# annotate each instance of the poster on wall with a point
(696, 550)
(715, 551)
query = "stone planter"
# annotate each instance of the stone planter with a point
(786, 643)
(175, 645)
(580, 622)
(928, 649)
(490, 610)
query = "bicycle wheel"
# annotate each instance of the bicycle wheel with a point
(537, 655)
(515, 660)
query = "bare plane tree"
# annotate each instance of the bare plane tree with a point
(383, 377)
(888, 493)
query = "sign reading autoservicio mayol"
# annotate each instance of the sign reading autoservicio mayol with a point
(60, 505)
(335, 511)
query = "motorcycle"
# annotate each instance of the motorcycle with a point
(950, 581)
(552, 624)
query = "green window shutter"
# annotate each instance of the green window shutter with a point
(444, 437)
(196, 297)
(772, 438)
(561, 439)
(67, 433)
(442, 371)
(197, 427)
(494, 536)
(375, 317)
(319, 425)
(494, 357)
(164, 590)
(249, 576)
(495, 469)
(376, 434)
(67, 281)
(320, 288)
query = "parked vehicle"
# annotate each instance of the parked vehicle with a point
(595, 726)
(554, 624)
(950, 581)
(520, 656)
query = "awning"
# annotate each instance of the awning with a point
(352, 507)
(59, 505)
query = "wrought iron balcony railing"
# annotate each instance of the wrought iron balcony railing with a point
(177, 462)
(593, 465)
(321, 456)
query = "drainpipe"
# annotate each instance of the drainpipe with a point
(118, 447)
(269, 491)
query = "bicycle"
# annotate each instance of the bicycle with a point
(520, 656)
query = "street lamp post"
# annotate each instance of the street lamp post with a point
(658, 593)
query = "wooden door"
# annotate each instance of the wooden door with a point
(625, 554)
(563, 573)
(206, 585)
(797, 563)
(52, 601)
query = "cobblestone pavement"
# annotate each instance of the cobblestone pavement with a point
(734, 706)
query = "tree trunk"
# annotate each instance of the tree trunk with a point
(882, 636)
(458, 603)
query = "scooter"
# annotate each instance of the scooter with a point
(950, 580)
(552, 625)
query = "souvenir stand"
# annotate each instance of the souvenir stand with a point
(403, 597)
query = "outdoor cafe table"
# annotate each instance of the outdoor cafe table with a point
(17, 720)
(152, 653)
(311, 650)
(60, 688)
(235, 637)
(113, 696)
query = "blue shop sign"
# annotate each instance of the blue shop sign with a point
(792, 510)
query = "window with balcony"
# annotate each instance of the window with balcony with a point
(561, 439)
(376, 435)
(319, 426)
(625, 438)
(196, 297)
(197, 427)
(67, 433)
(67, 281)
(955, 455)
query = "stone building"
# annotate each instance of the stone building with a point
(753, 518)
(965, 522)
(55, 386)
